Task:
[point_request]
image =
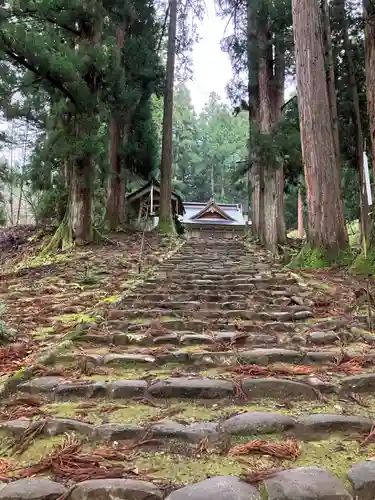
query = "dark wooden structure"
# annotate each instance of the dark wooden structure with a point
(145, 201)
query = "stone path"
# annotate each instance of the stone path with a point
(218, 350)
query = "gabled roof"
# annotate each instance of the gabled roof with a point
(232, 214)
(156, 185)
(214, 209)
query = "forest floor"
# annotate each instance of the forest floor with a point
(212, 360)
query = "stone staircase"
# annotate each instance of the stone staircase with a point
(219, 349)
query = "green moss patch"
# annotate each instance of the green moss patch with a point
(364, 264)
(75, 318)
(317, 258)
(181, 469)
(335, 455)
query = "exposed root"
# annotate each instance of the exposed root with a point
(287, 449)
(100, 238)
(61, 240)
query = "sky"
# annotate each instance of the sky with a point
(211, 66)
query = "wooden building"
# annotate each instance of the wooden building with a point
(213, 219)
(144, 203)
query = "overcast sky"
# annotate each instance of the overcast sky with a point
(212, 68)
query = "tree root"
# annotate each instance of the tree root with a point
(100, 238)
(61, 240)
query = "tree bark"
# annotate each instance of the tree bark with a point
(256, 173)
(369, 16)
(330, 77)
(326, 224)
(364, 208)
(80, 202)
(116, 180)
(166, 224)
(271, 96)
(300, 214)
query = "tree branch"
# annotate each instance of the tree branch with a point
(47, 76)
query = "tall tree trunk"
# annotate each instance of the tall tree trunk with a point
(326, 225)
(256, 176)
(364, 208)
(271, 97)
(116, 179)
(166, 224)
(330, 77)
(369, 15)
(365, 261)
(266, 122)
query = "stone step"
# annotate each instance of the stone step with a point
(212, 287)
(190, 280)
(245, 388)
(273, 303)
(323, 363)
(165, 316)
(310, 427)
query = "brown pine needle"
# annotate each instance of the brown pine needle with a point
(289, 449)
(257, 476)
(274, 370)
(370, 438)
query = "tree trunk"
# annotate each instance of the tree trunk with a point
(271, 96)
(166, 224)
(365, 261)
(256, 172)
(327, 233)
(300, 214)
(330, 77)
(79, 217)
(269, 213)
(116, 179)
(358, 124)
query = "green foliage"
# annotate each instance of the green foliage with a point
(317, 258)
(364, 264)
(206, 149)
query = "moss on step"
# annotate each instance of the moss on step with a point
(110, 300)
(181, 469)
(39, 448)
(43, 332)
(192, 411)
(335, 454)
(75, 318)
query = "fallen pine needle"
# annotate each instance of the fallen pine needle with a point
(273, 370)
(370, 438)
(287, 449)
(257, 476)
(354, 365)
(67, 461)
